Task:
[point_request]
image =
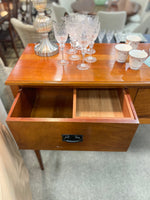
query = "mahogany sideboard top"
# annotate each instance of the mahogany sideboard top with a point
(43, 117)
(32, 70)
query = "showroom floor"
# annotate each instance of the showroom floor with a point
(93, 175)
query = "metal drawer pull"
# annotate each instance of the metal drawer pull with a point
(72, 138)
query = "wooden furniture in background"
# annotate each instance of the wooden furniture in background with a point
(8, 35)
(130, 7)
(83, 6)
(63, 108)
(26, 11)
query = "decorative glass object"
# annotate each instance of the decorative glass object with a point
(84, 35)
(101, 35)
(109, 35)
(72, 24)
(61, 36)
(43, 25)
(95, 27)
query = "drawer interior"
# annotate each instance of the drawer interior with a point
(69, 103)
(44, 103)
(101, 103)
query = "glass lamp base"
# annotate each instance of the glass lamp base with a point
(45, 48)
(83, 66)
(90, 59)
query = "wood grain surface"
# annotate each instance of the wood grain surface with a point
(50, 104)
(33, 70)
(39, 117)
(142, 103)
(44, 109)
(104, 103)
(31, 134)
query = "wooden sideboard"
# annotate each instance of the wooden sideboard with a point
(62, 108)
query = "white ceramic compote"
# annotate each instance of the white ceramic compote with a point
(61, 36)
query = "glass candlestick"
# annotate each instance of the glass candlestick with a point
(43, 25)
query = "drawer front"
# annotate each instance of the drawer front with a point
(43, 122)
(49, 135)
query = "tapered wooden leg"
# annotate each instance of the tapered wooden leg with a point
(38, 155)
(12, 40)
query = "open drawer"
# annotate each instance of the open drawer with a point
(103, 103)
(67, 119)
